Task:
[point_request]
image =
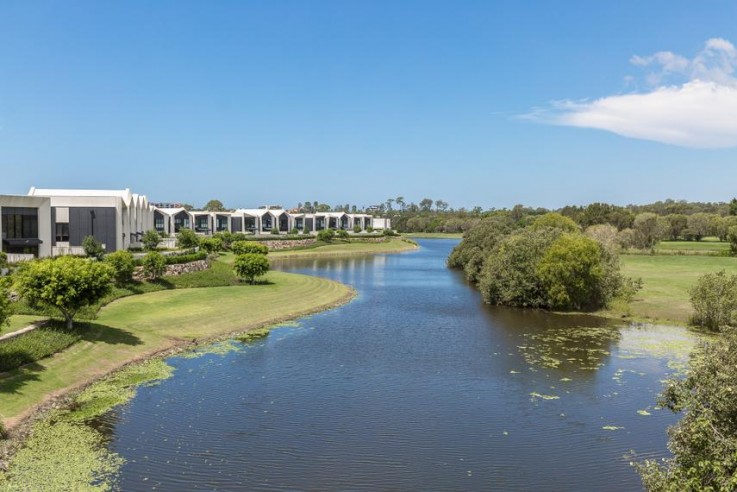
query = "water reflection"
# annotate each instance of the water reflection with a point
(414, 385)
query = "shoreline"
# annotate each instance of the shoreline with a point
(171, 346)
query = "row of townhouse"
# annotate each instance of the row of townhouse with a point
(53, 222)
(260, 221)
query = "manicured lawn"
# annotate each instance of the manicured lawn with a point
(18, 321)
(137, 326)
(666, 282)
(710, 244)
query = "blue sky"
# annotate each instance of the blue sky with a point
(476, 103)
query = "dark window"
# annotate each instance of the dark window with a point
(20, 223)
(159, 223)
(62, 232)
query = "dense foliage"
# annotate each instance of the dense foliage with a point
(326, 235)
(211, 244)
(150, 240)
(4, 302)
(548, 264)
(250, 265)
(123, 265)
(714, 301)
(187, 239)
(66, 283)
(244, 247)
(35, 345)
(704, 442)
(154, 265)
(92, 247)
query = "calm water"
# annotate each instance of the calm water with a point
(415, 385)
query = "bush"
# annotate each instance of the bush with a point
(714, 300)
(154, 265)
(151, 240)
(4, 302)
(294, 231)
(326, 235)
(731, 237)
(369, 229)
(556, 221)
(245, 247)
(3, 259)
(275, 230)
(226, 239)
(389, 232)
(342, 233)
(187, 239)
(478, 242)
(211, 244)
(250, 265)
(357, 228)
(123, 264)
(704, 442)
(92, 247)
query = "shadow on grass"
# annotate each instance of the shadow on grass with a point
(39, 345)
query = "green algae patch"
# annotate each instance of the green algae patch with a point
(582, 348)
(63, 452)
(672, 344)
(644, 413)
(219, 348)
(538, 396)
(62, 456)
(612, 428)
(117, 389)
(254, 335)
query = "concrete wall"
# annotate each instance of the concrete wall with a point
(43, 205)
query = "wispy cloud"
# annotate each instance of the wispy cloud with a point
(698, 109)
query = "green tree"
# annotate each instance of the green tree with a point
(250, 265)
(426, 204)
(478, 243)
(555, 220)
(733, 206)
(577, 274)
(677, 223)
(732, 238)
(718, 227)
(245, 247)
(704, 441)
(66, 283)
(186, 239)
(714, 301)
(92, 247)
(151, 240)
(154, 265)
(123, 265)
(698, 225)
(215, 206)
(648, 230)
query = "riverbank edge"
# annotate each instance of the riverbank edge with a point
(403, 247)
(19, 427)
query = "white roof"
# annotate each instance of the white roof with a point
(171, 211)
(60, 192)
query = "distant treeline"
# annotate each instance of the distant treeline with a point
(674, 219)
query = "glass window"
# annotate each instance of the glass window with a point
(62, 232)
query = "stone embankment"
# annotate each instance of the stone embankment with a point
(193, 266)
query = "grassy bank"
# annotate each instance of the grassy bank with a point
(136, 327)
(434, 235)
(340, 249)
(666, 283)
(18, 321)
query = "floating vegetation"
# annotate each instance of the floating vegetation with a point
(643, 412)
(538, 396)
(219, 348)
(62, 456)
(612, 428)
(513, 372)
(63, 452)
(565, 380)
(253, 335)
(582, 347)
(670, 343)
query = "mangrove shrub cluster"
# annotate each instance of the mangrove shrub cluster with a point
(548, 263)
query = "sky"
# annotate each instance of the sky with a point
(478, 103)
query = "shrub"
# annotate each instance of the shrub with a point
(151, 240)
(342, 233)
(35, 345)
(66, 283)
(245, 247)
(476, 246)
(714, 300)
(4, 302)
(186, 239)
(154, 265)
(357, 228)
(326, 235)
(294, 231)
(275, 230)
(250, 265)
(186, 258)
(369, 229)
(226, 239)
(3, 259)
(123, 264)
(92, 247)
(211, 244)
(389, 232)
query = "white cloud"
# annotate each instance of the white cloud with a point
(700, 111)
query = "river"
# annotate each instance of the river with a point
(414, 385)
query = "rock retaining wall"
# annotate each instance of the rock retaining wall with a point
(174, 270)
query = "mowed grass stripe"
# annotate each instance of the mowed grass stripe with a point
(136, 327)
